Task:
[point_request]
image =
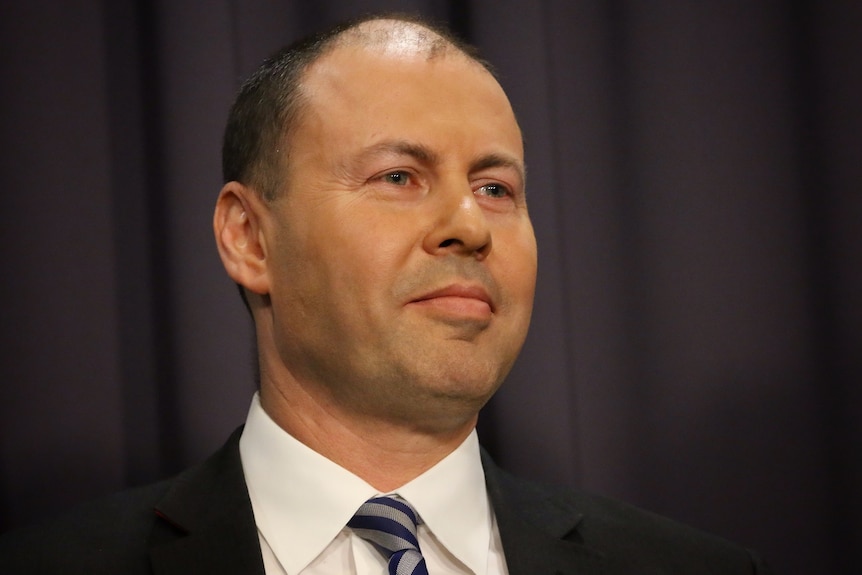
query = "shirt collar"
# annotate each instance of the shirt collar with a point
(452, 501)
(302, 500)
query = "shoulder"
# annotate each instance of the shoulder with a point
(646, 539)
(116, 534)
(622, 537)
(108, 535)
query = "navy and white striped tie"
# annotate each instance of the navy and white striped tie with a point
(389, 523)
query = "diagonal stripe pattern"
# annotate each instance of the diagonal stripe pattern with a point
(389, 523)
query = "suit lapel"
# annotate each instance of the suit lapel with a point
(538, 527)
(206, 521)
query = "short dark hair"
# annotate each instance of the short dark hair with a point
(270, 101)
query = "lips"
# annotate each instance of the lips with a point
(469, 292)
(458, 299)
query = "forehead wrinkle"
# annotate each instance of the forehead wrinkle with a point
(416, 151)
(500, 161)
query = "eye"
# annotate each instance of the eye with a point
(397, 178)
(493, 190)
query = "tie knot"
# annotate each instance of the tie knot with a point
(389, 523)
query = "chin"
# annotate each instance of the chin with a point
(446, 413)
(472, 390)
(441, 401)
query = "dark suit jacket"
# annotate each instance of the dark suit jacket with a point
(202, 522)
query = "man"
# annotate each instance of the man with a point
(375, 219)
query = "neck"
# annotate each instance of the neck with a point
(386, 454)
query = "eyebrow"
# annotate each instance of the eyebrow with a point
(403, 148)
(428, 156)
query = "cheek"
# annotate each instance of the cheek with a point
(376, 244)
(521, 263)
(358, 266)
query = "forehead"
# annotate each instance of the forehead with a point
(400, 86)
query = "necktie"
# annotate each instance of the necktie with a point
(389, 523)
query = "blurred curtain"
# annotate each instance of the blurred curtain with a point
(694, 180)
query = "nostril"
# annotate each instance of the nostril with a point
(447, 243)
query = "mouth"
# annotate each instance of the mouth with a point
(459, 300)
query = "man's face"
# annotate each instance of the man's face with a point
(401, 257)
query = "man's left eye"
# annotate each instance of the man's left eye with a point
(398, 178)
(494, 190)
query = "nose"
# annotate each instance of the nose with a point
(460, 225)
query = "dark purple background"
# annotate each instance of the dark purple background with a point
(694, 179)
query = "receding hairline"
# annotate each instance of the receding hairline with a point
(398, 36)
(392, 37)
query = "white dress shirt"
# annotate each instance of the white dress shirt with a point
(302, 502)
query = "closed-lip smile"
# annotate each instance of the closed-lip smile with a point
(455, 292)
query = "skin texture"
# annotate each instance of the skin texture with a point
(392, 280)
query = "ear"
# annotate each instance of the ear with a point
(239, 236)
